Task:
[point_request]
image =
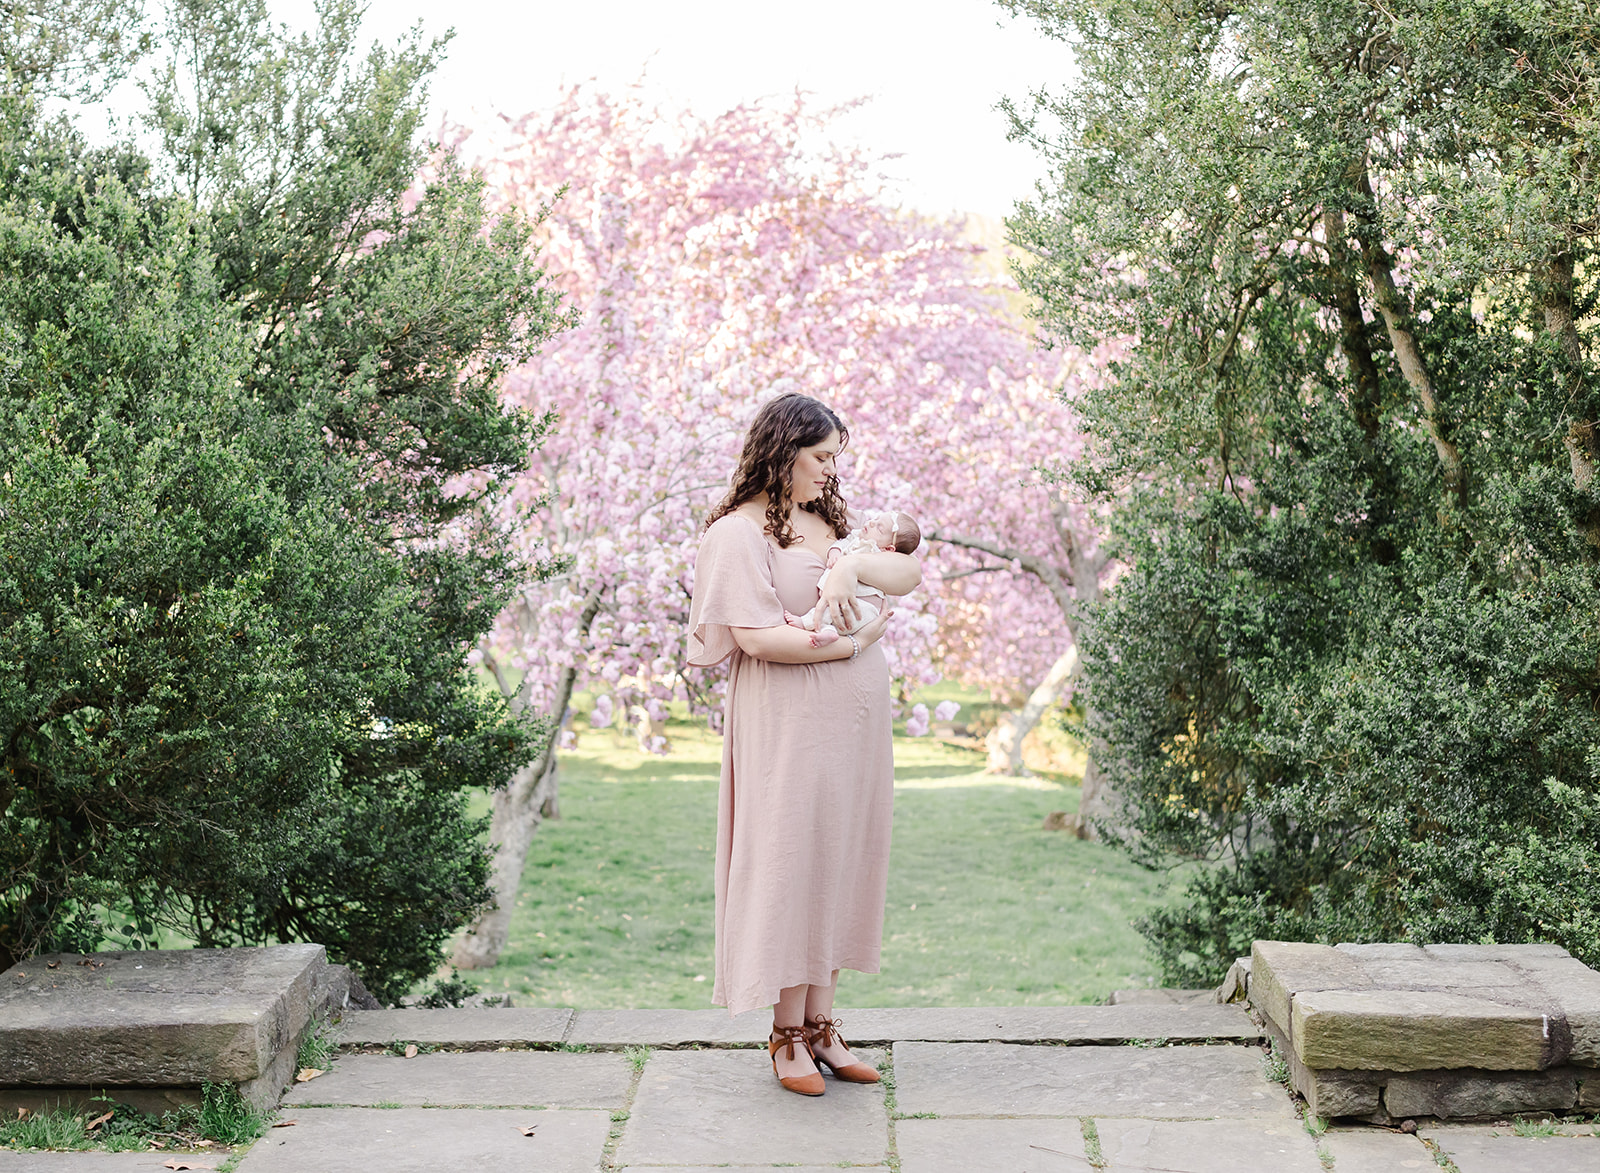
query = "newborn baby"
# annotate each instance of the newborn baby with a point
(880, 531)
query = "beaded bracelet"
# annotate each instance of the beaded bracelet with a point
(857, 644)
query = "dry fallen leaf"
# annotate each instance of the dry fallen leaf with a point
(286, 1123)
(306, 1073)
(525, 1131)
(203, 1143)
(22, 1113)
(411, 1050)
(99, 1120)
(52, 965)
(184, 1163)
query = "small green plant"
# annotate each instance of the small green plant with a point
(1316, 1125)
(1091, 1142)
(1539, 1127)
(400, 1046)
(449, 993)
(226, 1118)
(638, 1057)
(105, 1126)
(317, 1047)
(1156, 1042)
(1277, 1067)
(575, 1048)
(387, 1105)
(619, 1116)
(1325, 1157)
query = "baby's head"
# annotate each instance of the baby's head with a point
(893, 531)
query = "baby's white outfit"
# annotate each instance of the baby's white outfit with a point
(852, 543)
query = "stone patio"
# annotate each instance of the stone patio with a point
(968, 1093)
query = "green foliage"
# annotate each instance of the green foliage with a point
(1343, 258)
(450, 992)
(226, 1117)
(252, 444)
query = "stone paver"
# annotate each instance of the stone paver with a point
(1375, 1150)
(90, 1162)
(962, 1146)
(475, 1027)
(428, 1140)
(1080, 1025)
(512, 1078)
(668, 1028)
(1481, 1149)
(720, 1107)
(1000, 1079)
(1208, 1146)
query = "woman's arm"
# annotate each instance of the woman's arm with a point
(792, 645)
(891, 572)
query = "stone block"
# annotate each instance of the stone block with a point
(1381, 951)
(1281, 969)
(1574, 989)
(1509, 953)
(722, 1107)
(427, 1140)
(1399, 1030)
(1331, 1094)
(1466, 1094)
(962, 1146)
(1235, 985)
(1588, 1087)
(156, 1018)
(1495, 979)
(1003, 1079)
(1207, 1146)
(455, 1028)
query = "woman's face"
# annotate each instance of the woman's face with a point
(812, 467)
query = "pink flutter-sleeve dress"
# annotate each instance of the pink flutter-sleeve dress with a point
(807, 794)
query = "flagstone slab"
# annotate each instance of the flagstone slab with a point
(147, 1162)
(1075, 1025)
(1373, 1150)
(962, 1146)
(1208, 1146)
(478, 1079)
(428, 1140)
(723, 1107)
(1497, 1150)
(1003, 1079)
(154, 1018)
(474, 1027)
(669, 1028)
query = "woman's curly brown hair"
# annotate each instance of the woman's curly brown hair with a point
(781, 428)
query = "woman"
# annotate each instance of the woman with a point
(807, 764)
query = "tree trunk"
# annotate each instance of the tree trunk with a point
(517, 815)
(1005, 743)
(518, 810)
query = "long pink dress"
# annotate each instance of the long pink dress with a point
(807, 793)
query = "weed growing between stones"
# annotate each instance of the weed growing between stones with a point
(1521, 1126)
(226, 1117)
(1277, 1067)
(223, 1117)
(1091, 1142)
(1440, 1157)
(1315, 1125)
(1325, 1157)
(387, 1105)
(318, 1047)
(400, 1047)
(637, 1057)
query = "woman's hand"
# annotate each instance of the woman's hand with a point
(838, 604)
(873, 630)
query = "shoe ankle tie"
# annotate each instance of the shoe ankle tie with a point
(826, 1030)
(790, 1034)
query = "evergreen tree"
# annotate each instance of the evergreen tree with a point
(1356, 664)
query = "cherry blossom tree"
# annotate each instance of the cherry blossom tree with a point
(718, 262)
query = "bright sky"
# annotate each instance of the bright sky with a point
(934, 70)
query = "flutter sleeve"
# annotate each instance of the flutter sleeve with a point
(732, 588)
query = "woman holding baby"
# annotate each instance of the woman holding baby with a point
(807, 766)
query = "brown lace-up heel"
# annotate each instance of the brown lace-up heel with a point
(823, 1031)
(788, 1036)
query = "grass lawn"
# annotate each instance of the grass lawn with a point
(985, 907)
